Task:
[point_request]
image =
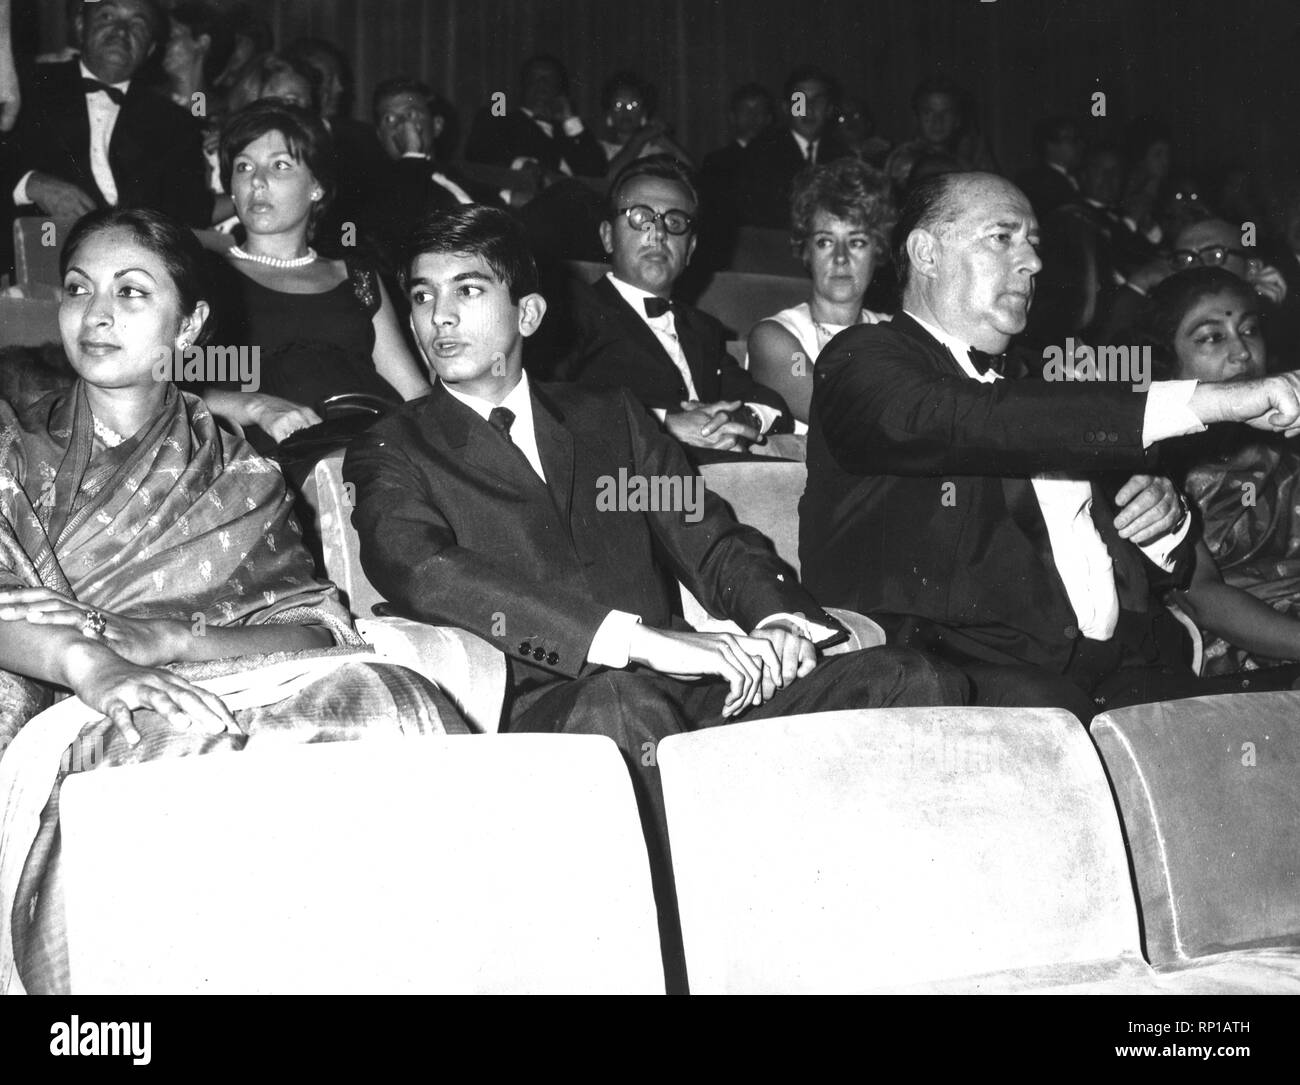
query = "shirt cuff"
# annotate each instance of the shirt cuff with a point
(660, 413)
(612, 644)
(573, 126)
(416, 154)
(1168, 412)
(1160, 551)
(813, 631)
(767, 416)
(21, 199)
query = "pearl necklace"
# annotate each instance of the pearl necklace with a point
(111, 438)
(273, 261)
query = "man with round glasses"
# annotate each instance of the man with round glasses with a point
(628, 333)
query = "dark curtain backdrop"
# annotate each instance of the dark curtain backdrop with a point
(1224, 73)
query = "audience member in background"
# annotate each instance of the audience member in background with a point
(841, 216)
(967, 513)
(324, 327)
(1181, 203)
(809, 100)
(358, 159)
(633, 130)
(1050, 182)
(136, 534)
(411, 183)
(198, 48)
(1148, 147)
(749, 115)
(1207, 324)
(626, 332)
(542, 131)
(92, 135)
(855, 128)
(945, 126)
(252, 37)
(275, 75)
(1089, 250)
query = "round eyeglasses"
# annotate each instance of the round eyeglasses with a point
(1210, 256)
(640, 217)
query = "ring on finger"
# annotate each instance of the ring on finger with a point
(94, 624)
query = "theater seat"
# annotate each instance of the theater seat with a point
(37, 244)
(1209, 792)
(512, 863)
(940, 850)
(469, 669)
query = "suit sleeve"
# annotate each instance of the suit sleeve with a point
(730, 568)
(411, 556)
(883, 410)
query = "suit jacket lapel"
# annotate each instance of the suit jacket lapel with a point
(939, 354)
(555, 448)
(482, 446)
(637, 328)
(706, 380)
(75, 133)
(126, 148)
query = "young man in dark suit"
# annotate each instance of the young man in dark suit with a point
(971, 515)
(92, 135)
(486, 506)
(626, 332)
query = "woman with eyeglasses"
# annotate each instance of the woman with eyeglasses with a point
(1206, 324)
(841, 217)
(632, 130)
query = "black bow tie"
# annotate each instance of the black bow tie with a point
(984, 362)
(657, 307)
(91, 86)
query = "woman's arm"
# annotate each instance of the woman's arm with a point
(1236, 615)
(778, 361)
(393, 361)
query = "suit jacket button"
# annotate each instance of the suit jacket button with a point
(1071, 631)
(1088, 437)
(553, 658)
(525, 648)
(538, 654)
(1113, 438)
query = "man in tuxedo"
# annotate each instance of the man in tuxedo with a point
(774, 158)
(480, 506)
(1050, 182)
(625, 331)
(92, 135)
(971, 515)
(543, 130)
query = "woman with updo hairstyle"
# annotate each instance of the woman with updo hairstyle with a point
(841, 217)
(144, 550)
(1206, 324)
(324, 328)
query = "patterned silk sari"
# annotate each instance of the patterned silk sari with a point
(181, 521)
(1249, 499)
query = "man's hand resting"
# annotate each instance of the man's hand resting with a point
(712, 425)
(750, 665)
(1149, 507)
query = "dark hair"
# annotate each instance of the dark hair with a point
(663, 166)
(308, 139)
(645, 90)
(254, 76)
(550, 61)
(849, 190)
(1169, 303)
(1050, 130)
(939, 84)
(157, 16)
(400, 84)
(750, 90)
(199, 17)
(803, 74)
(309, 49)
(931, 203)
(171, 241)
(476, 230)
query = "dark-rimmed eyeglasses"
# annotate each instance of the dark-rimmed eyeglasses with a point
(640, 217)
(1210, 256)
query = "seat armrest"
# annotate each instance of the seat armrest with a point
(465, 667)
(863, 632)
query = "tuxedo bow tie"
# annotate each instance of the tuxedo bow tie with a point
(90, 86)
(657, 307)
(984, 362)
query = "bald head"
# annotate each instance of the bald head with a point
(969, 257)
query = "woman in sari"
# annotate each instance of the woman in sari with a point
(143, 549)
(1207, 324)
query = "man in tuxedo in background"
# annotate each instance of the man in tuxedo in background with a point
(971, 515)
(544, 130)
(480, 506)
(772, 160)
(625, 331)
(92, 135)
(1050, 183)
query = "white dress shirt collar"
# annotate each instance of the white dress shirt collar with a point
(519, 402)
